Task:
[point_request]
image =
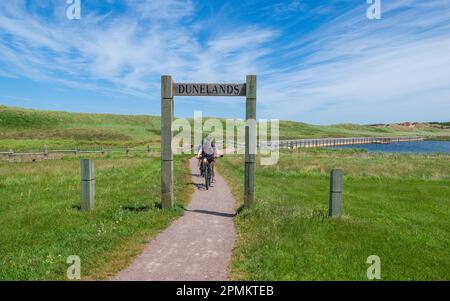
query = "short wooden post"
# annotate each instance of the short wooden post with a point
(148, 148)
(87, 184)
(335, 206)
(10, 154)
(45, 151)
(250, 146)
(166, 142)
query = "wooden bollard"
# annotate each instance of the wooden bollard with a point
(11, 154)
(87, 184)
(335, 206)
(45, 151)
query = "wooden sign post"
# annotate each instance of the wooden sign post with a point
(169, 89)
(166, 142)
(250, 141)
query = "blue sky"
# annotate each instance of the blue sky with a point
(321, 62)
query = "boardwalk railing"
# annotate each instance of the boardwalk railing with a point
(332, 142)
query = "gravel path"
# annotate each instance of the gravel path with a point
(198, 245)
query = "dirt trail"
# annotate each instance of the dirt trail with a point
(198, 245)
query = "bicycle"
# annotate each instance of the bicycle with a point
(206, 171)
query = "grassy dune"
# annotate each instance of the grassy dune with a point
(395, 206)
(25, 129)
(41, 224)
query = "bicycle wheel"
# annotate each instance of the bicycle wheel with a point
(209, 176)
(206, 172)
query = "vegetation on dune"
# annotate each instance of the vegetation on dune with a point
(41, 222)
(25, 129)
(441, 124)
(395, 206)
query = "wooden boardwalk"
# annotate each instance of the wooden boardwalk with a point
(332, 142)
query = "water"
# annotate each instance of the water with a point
(419, 147)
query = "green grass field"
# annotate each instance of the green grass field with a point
(41, 222)
(25, 130)
(395, 206)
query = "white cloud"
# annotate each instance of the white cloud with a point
(358, 70)
(349, 69)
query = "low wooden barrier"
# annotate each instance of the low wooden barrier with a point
(46, 153)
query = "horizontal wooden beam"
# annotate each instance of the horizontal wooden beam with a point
(189, 89)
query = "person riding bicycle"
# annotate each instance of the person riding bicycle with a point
(208, 151)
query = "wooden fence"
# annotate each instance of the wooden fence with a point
(283, 144)
(45, 153)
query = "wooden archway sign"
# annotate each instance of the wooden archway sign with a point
(169, 89)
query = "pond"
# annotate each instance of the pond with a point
(405, 147)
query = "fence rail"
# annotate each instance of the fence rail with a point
(283, 144)
(45, 153)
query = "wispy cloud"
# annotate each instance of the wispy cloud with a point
(368, 71)
(283, 9)
(129, 51)
(347, 69)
